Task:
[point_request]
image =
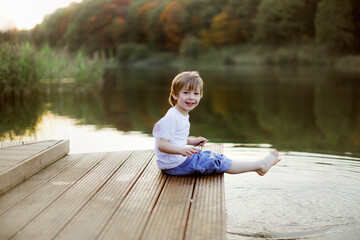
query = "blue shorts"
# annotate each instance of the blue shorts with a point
(202, 163)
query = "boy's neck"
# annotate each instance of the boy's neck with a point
(182, 111)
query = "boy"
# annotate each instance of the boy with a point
(174, 156)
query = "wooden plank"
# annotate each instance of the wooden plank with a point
(19, 153)
(91, 220)
(16, 158)
(54, 218)
(39, 200)
(132, 215)
(190, 207)
(29, 163)
(207, 213)
(18, 143)
(114, 196)
(10, 144)
(20, 192)
(207, 217)
(168, 220)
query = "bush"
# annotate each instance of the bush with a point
(22, 68)
(129, 53)
(18, 72)
(297, 55)
(89, 72)
(140, 52)
(228, 60)
(190, 47)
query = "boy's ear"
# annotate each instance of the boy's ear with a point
(175, 97)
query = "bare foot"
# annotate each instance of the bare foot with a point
(269, 161)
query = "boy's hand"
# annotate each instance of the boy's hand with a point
(189, 151)
(200, 141)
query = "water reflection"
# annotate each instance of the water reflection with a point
(19, 117)
(314, 110)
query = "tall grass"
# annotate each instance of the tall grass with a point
(23, 68)
(88, 72)
(18, 70)
(62, 67)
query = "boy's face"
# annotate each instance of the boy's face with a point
(187, 100)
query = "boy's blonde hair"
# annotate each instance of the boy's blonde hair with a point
(191, 80)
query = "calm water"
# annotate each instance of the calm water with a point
(311, 115)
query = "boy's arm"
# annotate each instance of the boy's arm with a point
(199, 141)
(166, 147)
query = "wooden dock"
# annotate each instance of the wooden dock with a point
(116, 195)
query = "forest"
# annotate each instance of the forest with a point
(75, 44)
(191, 26)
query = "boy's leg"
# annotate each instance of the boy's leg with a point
(260, 166)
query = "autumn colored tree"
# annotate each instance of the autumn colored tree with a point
(95, 25)
(245, 11)
(224, 30)
(104, 29)
(171, 21)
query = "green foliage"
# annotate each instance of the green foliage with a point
(190, 47)
(51, 64)
(103, 25)
(89, 72)
(228, 60)
(243, 8)
(75, 34)
(281, 21)
(18, 72)
(130, 53)
(23, 67)
(335, 26)
(55, 66)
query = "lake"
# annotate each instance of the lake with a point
(310, 114)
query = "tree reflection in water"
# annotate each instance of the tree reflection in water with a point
(292, 109)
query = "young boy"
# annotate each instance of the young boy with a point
(174, 156)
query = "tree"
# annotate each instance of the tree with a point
(171, 21)
(78, 32)
(281, 21)
(243, 8)
(224, 30)
(137, 21)
(356, 14)
(334, 25)
(54, 26)
(105, 28)
(245, 11)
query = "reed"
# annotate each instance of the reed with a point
(70, 70)
(23, 68)
(18, 71)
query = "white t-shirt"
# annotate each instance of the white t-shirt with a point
(174, 127)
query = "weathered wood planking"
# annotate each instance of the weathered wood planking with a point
(119, 195)
(18, 162)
